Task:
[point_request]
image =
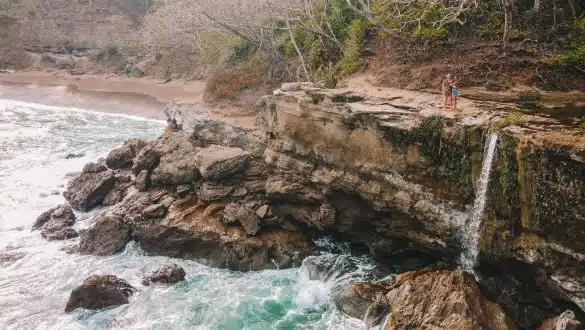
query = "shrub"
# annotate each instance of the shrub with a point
(327, 76)
(228, 82)
(515, 119)
(494, 25)
(573, 58)
(354, 46)
(240, 50)
(530, 99)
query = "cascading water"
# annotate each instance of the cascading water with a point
(472, 227)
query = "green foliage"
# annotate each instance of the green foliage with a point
(212, 46)
(111, 51)
(327, 76)
(530, 99)
(354, 45)
(240, 50)
(582, 128)
(494, 25)
(515, 119)
(423, 33)
(572, 58)
(419, 20)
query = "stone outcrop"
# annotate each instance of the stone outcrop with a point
(166, 274)
(385, 170)
(98, 292)
(56, 223)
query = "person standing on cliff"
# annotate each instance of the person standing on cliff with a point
(454, 92)
(446, 90)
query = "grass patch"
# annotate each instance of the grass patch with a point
(515, 119)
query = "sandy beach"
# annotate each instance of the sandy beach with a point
(142, 97)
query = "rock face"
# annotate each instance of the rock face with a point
(167, 274)
(98, 292)
(387, 171)
(424, 299)
(56, 223)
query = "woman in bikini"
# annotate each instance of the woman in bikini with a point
(446, 89)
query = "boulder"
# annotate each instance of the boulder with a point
(59, 233)
(448, 299)
(155, 211)
(59, 214)
(98, 292)
(89, 188)
(167, 274)
(565, 321)
(107, 236)
(142, 182)
(176, 168)
(149, 157)
(183, 190)
(264, 212)
(216, 162)
(56, 223)
(364, 301)
(123, 156)
(210, 192)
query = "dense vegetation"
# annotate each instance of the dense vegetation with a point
(245, 44)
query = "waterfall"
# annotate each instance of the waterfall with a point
(472, 227)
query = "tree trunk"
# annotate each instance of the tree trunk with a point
(294, 42)
(508, 9)
(536, 5)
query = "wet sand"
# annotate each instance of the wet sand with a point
(142, 97)
(132, 96)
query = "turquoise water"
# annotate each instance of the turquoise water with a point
(34, 143)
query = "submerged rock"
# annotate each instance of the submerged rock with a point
(107, 236)
(56, 223)
(10, 257)
(167, 274)
(98, 292)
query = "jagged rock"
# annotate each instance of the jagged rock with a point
(264, 212)
(98, 167)
(217, 162)
(123, 156)
(10, 257)
(142, 182)
(362, 300)
(74, 155)
(565, 321)
(442, 298)
(176, 168)
(167, 274)
(183, 190)
(155, 211)
(98, 292)
(244, 215)
(107, 236)
(56, 223)
(61, 214)
(149, 157)
(89, 188)
(59, 233)
(210, 192)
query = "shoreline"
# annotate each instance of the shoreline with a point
(141, 97)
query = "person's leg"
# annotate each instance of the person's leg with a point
(444, 100)
(455, 103)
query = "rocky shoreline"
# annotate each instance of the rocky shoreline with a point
(387, 174)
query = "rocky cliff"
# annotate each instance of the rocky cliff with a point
(388, 172)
